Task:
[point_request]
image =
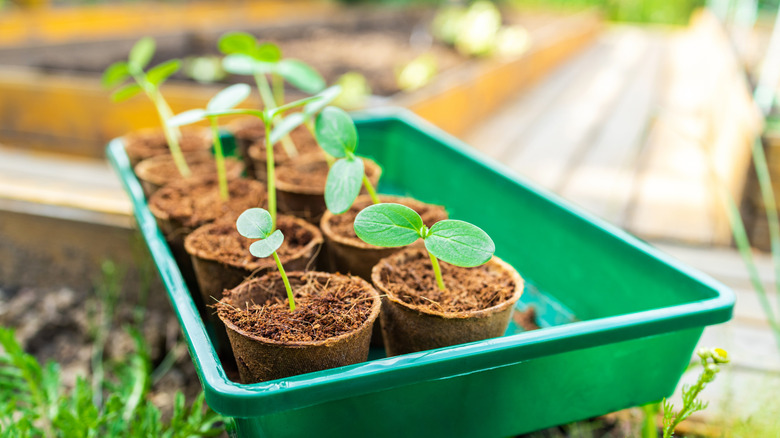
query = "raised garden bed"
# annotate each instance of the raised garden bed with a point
(53, 92)
(610, 308)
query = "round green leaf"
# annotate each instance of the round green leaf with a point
(343, 184)
(266, 247)
(388, 225)
(187, 117)
(160, 72)
(286, 125)
(459, 243)
(126, 92)
(229, 97)
(301, 75)
(239, 64)
(237, 42)
(115, 74)
(141, 53)
(323, 99)
(267, 52)
(336, 132)
(254, 223)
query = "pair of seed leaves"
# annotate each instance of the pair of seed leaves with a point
(138, 59)
(247, 56)
(388, 225)
(224, 102)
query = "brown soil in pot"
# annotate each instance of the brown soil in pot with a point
(160, 170)
(184, 205)
(249, 133)
(301, 186)
(330, 326)
(416, 315)
(349, 254)
(147, 143)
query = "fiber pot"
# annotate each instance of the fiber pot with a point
(147, 143)
(261, 358)
(408, 327)
(300, 186)
(160, 170)
(221, 258)
(182, 206)
(350, 255)
(249, 134)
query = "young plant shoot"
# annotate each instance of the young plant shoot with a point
(225, 100)
(256, 223)
(337, 135)
(247, 56)
(456, 242)
(149, 83)
(311, 106)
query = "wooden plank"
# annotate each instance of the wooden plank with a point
(501, 134)
(603, 180)
(555, 142)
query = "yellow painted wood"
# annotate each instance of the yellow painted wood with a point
(51, 25)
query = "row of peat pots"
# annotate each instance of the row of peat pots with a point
(51, 96)
(604, 322)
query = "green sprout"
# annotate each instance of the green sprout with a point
(337, 135)
(257, 223)
(710, 358)
(311, 107)
(247, 56)
(149, 83)
(455, 242)
(223, 101)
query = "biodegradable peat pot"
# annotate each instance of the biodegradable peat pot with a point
(147, 143)
(249, 134)
(182, 206)
(300, 186)
(416, 316)
(278, 343)
(221, 258)
(160, 170)
(350, 255)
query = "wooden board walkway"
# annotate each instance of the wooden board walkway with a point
(645, 129)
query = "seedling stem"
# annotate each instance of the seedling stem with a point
(220, 159)
(370, 189)
(437, 271)
(269, 163)
(286, 281)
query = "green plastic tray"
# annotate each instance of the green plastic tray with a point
(619, 319)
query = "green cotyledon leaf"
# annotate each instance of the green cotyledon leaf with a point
(388, 225)
(266, 247)
(459, 243)
(255, 223)
(343, 185)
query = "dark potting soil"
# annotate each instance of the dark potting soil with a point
(344, 224)
(197, 202)
(311, 175)
(221, 241)
(325, 308)
(149, 143)
(162, 169)
(414, 282)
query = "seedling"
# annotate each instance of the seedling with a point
(257, 223)
(149, 83)
(456, 242)
(247, 56)
(337, 135)
(223, 101)
(311, 106)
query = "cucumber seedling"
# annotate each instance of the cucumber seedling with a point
(223, 101)
(247, 56)
(337, 135)
(455, 242)
(149, 83)
(257, 223)
(311, 106)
